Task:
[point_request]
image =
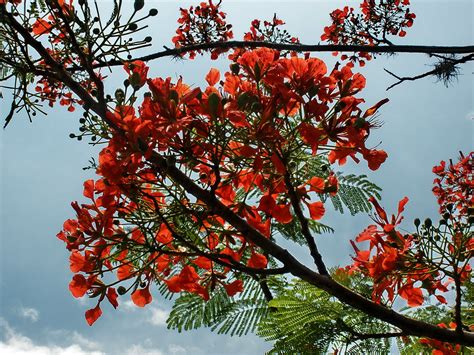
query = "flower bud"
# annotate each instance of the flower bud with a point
(417, 222)
(235, 68)
(428, 223)
(119, 95)
(121, 290)
(138, 5)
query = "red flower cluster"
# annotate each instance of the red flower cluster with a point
(236, 137)
(397, 262)
(378, 20)
(137, 72)
(204, 23)
(454, 185)
(270, 32)
(385, 258)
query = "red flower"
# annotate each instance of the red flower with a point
(164, 235)
(77, 261)
(234, 287)
(257, 261)
(41, 27)
(316, 210)
(112, 297)
(203, 262)
(137, 71)
(213, 77)
(78, 286)
(93, 314)
(142, 297)
(374, 158)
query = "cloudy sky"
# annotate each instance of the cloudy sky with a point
(41, 173)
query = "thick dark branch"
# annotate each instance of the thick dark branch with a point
(221, 259)
(363, 336)
(174, 52)
(295, 202)
(262, 281)
(436, 71)
(345, 295)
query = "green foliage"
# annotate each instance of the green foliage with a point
(303, 321)
(237, 315)
(292, 230)
(307, 320)
(354, 192)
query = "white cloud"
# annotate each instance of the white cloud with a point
(176, 349)
(14, 343)
(158, 316)
(128, 305)
(29, 313)
(59, 335)
(140, 349)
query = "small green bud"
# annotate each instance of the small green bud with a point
(417, 222)
(121, 290)
(153, 12)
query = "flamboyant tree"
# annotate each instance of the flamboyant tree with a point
(197, 187)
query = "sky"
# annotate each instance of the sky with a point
(41, 173)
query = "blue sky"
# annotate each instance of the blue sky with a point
(41, 173)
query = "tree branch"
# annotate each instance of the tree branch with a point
(295, 202)
(435, 71)
(174, 52)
